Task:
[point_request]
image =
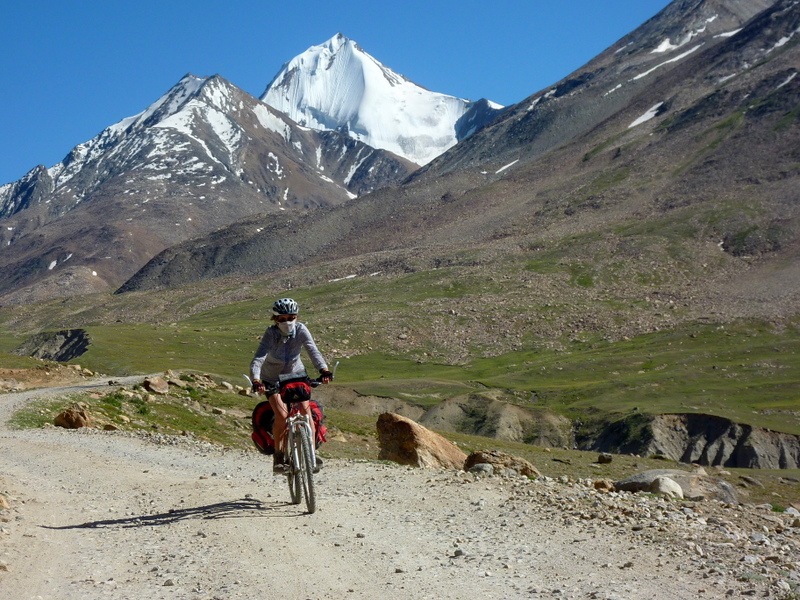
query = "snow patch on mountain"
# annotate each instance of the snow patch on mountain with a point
(650, 114)
(337, 86)
(272, 122)
(666, 62)
(667, 46)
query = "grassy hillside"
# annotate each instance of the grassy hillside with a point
(422, 337)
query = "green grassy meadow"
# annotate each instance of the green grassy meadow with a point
(746, 371)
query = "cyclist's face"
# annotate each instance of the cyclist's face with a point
(284, 318)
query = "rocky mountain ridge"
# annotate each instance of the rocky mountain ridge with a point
(687, 438)
(204, 155)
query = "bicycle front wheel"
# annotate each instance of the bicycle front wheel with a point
(294, 474)
(307, 468)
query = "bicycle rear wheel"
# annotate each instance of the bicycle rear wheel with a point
(307, 468)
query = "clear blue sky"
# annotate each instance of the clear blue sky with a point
(70, 68)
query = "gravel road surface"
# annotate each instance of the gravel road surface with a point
(125, 516)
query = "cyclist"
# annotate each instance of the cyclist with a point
(279, 354)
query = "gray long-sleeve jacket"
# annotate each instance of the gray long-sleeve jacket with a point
(276, 356)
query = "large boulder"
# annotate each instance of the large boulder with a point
(74, 417)
(695, 485)
(408, 443)
(156, 385)
(500, 462)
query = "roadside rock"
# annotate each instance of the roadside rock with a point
(9, 385)
(694, 485)
(156, 385)
(500, 462)
(604, 458)
(408, 443)
(74, 417)
(603, 485)
(666, 487)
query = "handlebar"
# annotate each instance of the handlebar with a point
(312, 382)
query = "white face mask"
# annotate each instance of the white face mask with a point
(287, 327)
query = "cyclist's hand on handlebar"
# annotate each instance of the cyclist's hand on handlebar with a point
(326, 376)
(259, 387)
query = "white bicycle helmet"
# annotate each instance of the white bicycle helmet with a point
(285, 306)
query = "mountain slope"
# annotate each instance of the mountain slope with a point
(605, 85)
(686, 191)
(337, 86)
(204, 155)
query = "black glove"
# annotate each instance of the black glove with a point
(258, 387)
(326, 376)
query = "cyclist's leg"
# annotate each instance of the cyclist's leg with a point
(305, 408)
(279, 426)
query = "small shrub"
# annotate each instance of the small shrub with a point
(140, 406)
(115, 399)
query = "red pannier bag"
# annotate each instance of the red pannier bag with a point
(262, 419)
(318, 414)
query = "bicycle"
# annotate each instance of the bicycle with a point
(299, 442)
(301, 456)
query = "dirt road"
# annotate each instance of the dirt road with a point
(112, 515)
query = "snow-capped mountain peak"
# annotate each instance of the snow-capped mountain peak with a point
(338, 86)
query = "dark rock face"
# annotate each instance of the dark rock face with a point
(61, 346)
(709, 440)
(28, 191)
(699, 439)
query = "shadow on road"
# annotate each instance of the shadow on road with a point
(235, 509)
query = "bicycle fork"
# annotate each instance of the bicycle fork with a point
(294, 423)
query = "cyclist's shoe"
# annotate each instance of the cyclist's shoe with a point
(279, 464)
(320, 462)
